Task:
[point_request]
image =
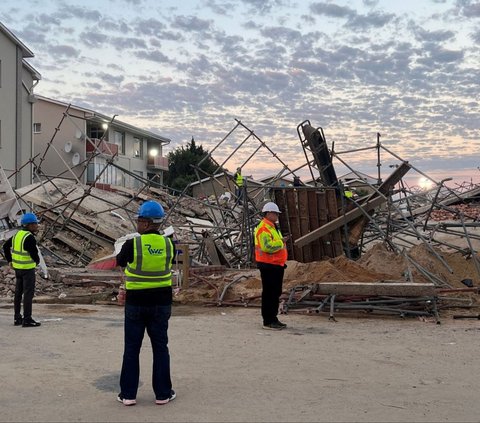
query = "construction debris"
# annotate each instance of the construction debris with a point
(387, 249)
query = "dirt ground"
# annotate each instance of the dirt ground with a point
(226, 368)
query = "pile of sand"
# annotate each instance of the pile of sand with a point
(377, 265)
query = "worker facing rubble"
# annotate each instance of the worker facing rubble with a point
(271, 256)
(21, 252)
(238, 178)
(147, 261)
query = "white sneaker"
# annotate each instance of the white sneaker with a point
(173, 395)
(124, 401)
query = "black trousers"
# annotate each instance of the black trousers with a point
(25, 287)
(272, 280)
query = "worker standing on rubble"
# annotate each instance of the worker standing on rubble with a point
(22, 255)
(147, 260)
(238, 178)
(271, 256)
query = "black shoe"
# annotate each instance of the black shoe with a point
(30, 323)
(273, 326)
(18, 321)
(281, 324)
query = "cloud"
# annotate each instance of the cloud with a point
(93, 38)
(154, 56)
(70, 11)
(469, 9)
(332, 10)
(263, 6)
(191, 24)
(372, 20)
(64, 51)
(149, 26)
(122, 43)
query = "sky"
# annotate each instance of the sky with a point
(408, 70)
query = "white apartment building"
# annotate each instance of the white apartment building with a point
(72, 138)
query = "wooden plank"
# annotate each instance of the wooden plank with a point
(304, 222)
(385, 188)
(283, 219)
(334, 237)
(314, 220)
(183, 258)
(294, 223)
(401, 289)
(338, 222)
(212, 251)
(322, 220)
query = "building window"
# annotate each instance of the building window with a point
(137, 147)
(119, 139)
(95, 130)
(37, 128)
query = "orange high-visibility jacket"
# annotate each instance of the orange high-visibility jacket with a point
(269, 245)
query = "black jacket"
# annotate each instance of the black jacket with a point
(30, 245)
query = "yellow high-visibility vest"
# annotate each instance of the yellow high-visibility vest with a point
(21, 259)
(269, 245)
(152, 263)
(239, 179)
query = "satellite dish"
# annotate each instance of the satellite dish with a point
(78, 134)
(76, 159)
(68, 147)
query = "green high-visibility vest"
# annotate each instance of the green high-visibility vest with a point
(21, 259)
(239, 179)
(152, 263)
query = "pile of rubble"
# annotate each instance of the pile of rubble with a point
(391, 236)
(473, 211)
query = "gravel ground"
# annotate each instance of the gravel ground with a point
(226, 368)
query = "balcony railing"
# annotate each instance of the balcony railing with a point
(157, 162)
(104, 147)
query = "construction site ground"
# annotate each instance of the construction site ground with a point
(226, 368)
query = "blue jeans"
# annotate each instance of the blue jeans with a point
(155, 320)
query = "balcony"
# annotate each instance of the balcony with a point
(103, 147)
(157, 162)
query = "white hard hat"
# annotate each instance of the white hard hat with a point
(271, 207)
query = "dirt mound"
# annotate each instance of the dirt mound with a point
(339, 269)
(379, 259)
(461, 266)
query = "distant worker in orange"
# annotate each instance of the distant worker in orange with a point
(271, 256)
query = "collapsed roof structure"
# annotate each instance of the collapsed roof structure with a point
(218, 228)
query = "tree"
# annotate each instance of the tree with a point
(180, 161)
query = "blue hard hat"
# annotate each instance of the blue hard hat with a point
(28, 218)
(151, 210)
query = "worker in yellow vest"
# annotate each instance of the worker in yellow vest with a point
(271, 256)
(347, 192)
(22, 254)
(239, 181)
(147, 260)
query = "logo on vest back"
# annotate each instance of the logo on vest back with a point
(154, 251)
